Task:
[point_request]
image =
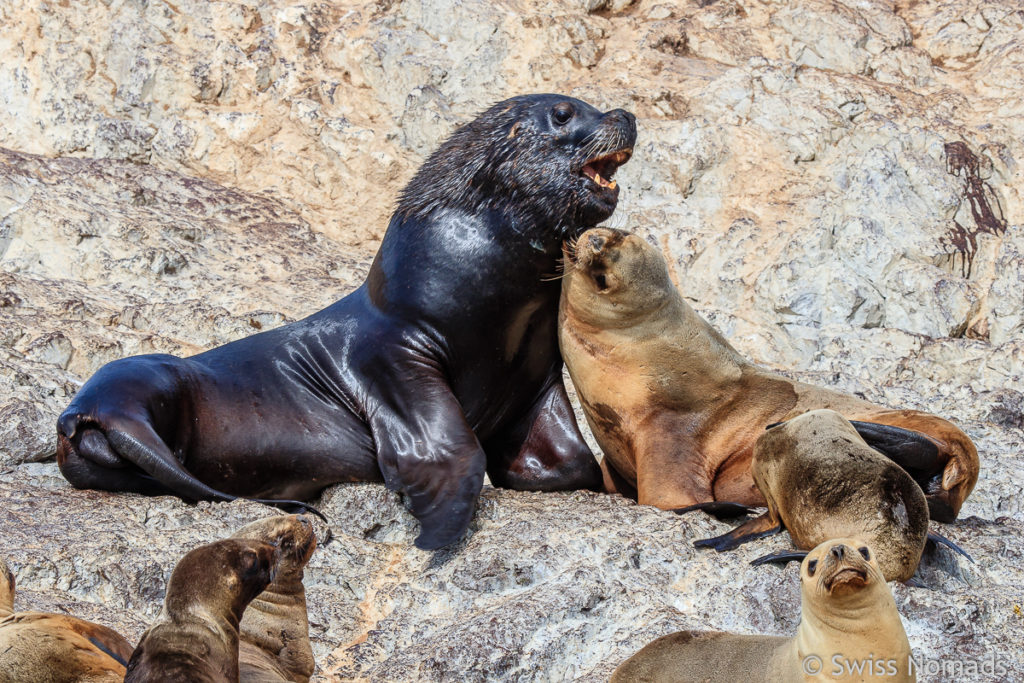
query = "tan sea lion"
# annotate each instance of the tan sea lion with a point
(677, 410)
(821, 480)
(274, 633)
(55, 648)
(849, 631)
(195, 637)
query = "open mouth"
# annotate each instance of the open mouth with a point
(847, 575)
(601, 169)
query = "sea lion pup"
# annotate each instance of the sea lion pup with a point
(274, 633)
(55, 648)
(677, 410)
(849, 631)
(441, 367)
(821, 480)
(195, 637)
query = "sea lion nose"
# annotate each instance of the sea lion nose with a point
(623, 118)
(838, 551)
(596, 243)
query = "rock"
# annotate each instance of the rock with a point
(836, 185)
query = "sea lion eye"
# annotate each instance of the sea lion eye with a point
(811, 566)
(865, 554)
(562, 113)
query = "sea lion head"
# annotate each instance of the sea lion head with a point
(220, 578)
(840, 571)
(613, 277)
(6, 589)
(292, 535)
(544, 160)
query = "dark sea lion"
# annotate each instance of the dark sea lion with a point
(677, 410)
(441, 366)
(849, 630)
(821, 480)
(195, 637)
(274, 633)
(55, 648)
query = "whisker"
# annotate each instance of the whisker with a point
(552, 278)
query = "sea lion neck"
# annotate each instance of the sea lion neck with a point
(845, 617)
(456, 252)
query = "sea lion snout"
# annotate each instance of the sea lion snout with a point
(841, 566)
(596, 247)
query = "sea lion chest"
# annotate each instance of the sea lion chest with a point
(482, 303)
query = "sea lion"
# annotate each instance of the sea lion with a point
(195, 637)
(441, 366)
(55, 648)
(274, 633)
(677, 410)
(821, 480)
(849, 631)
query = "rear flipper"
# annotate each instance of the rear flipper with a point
(938, 539)
(104, 463)
(719, 509)
(912, 451)
(782, 557)
(759, 527)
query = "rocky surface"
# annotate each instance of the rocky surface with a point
(838, 185)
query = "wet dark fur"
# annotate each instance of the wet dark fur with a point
(444, 364)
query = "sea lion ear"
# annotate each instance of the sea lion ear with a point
(952, 476)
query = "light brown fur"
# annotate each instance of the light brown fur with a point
(274, 633)
(55, 648)
(674, 407)
(847, 611)
(822, 481)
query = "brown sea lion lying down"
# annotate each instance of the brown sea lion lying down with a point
(55, 648)
(677, 410)
(849, 631)
(822, 481)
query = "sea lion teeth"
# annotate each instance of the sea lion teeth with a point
(376, 370)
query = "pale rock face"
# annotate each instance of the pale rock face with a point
(184, 174)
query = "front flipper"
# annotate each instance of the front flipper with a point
(426, 449)
(911, 450)
(545, 450)
(938, 539)
(782, 557)
(759, 527)
(719, 509)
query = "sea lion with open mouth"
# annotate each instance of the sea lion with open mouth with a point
(849, 631)
(677, 410)
(441, 366)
